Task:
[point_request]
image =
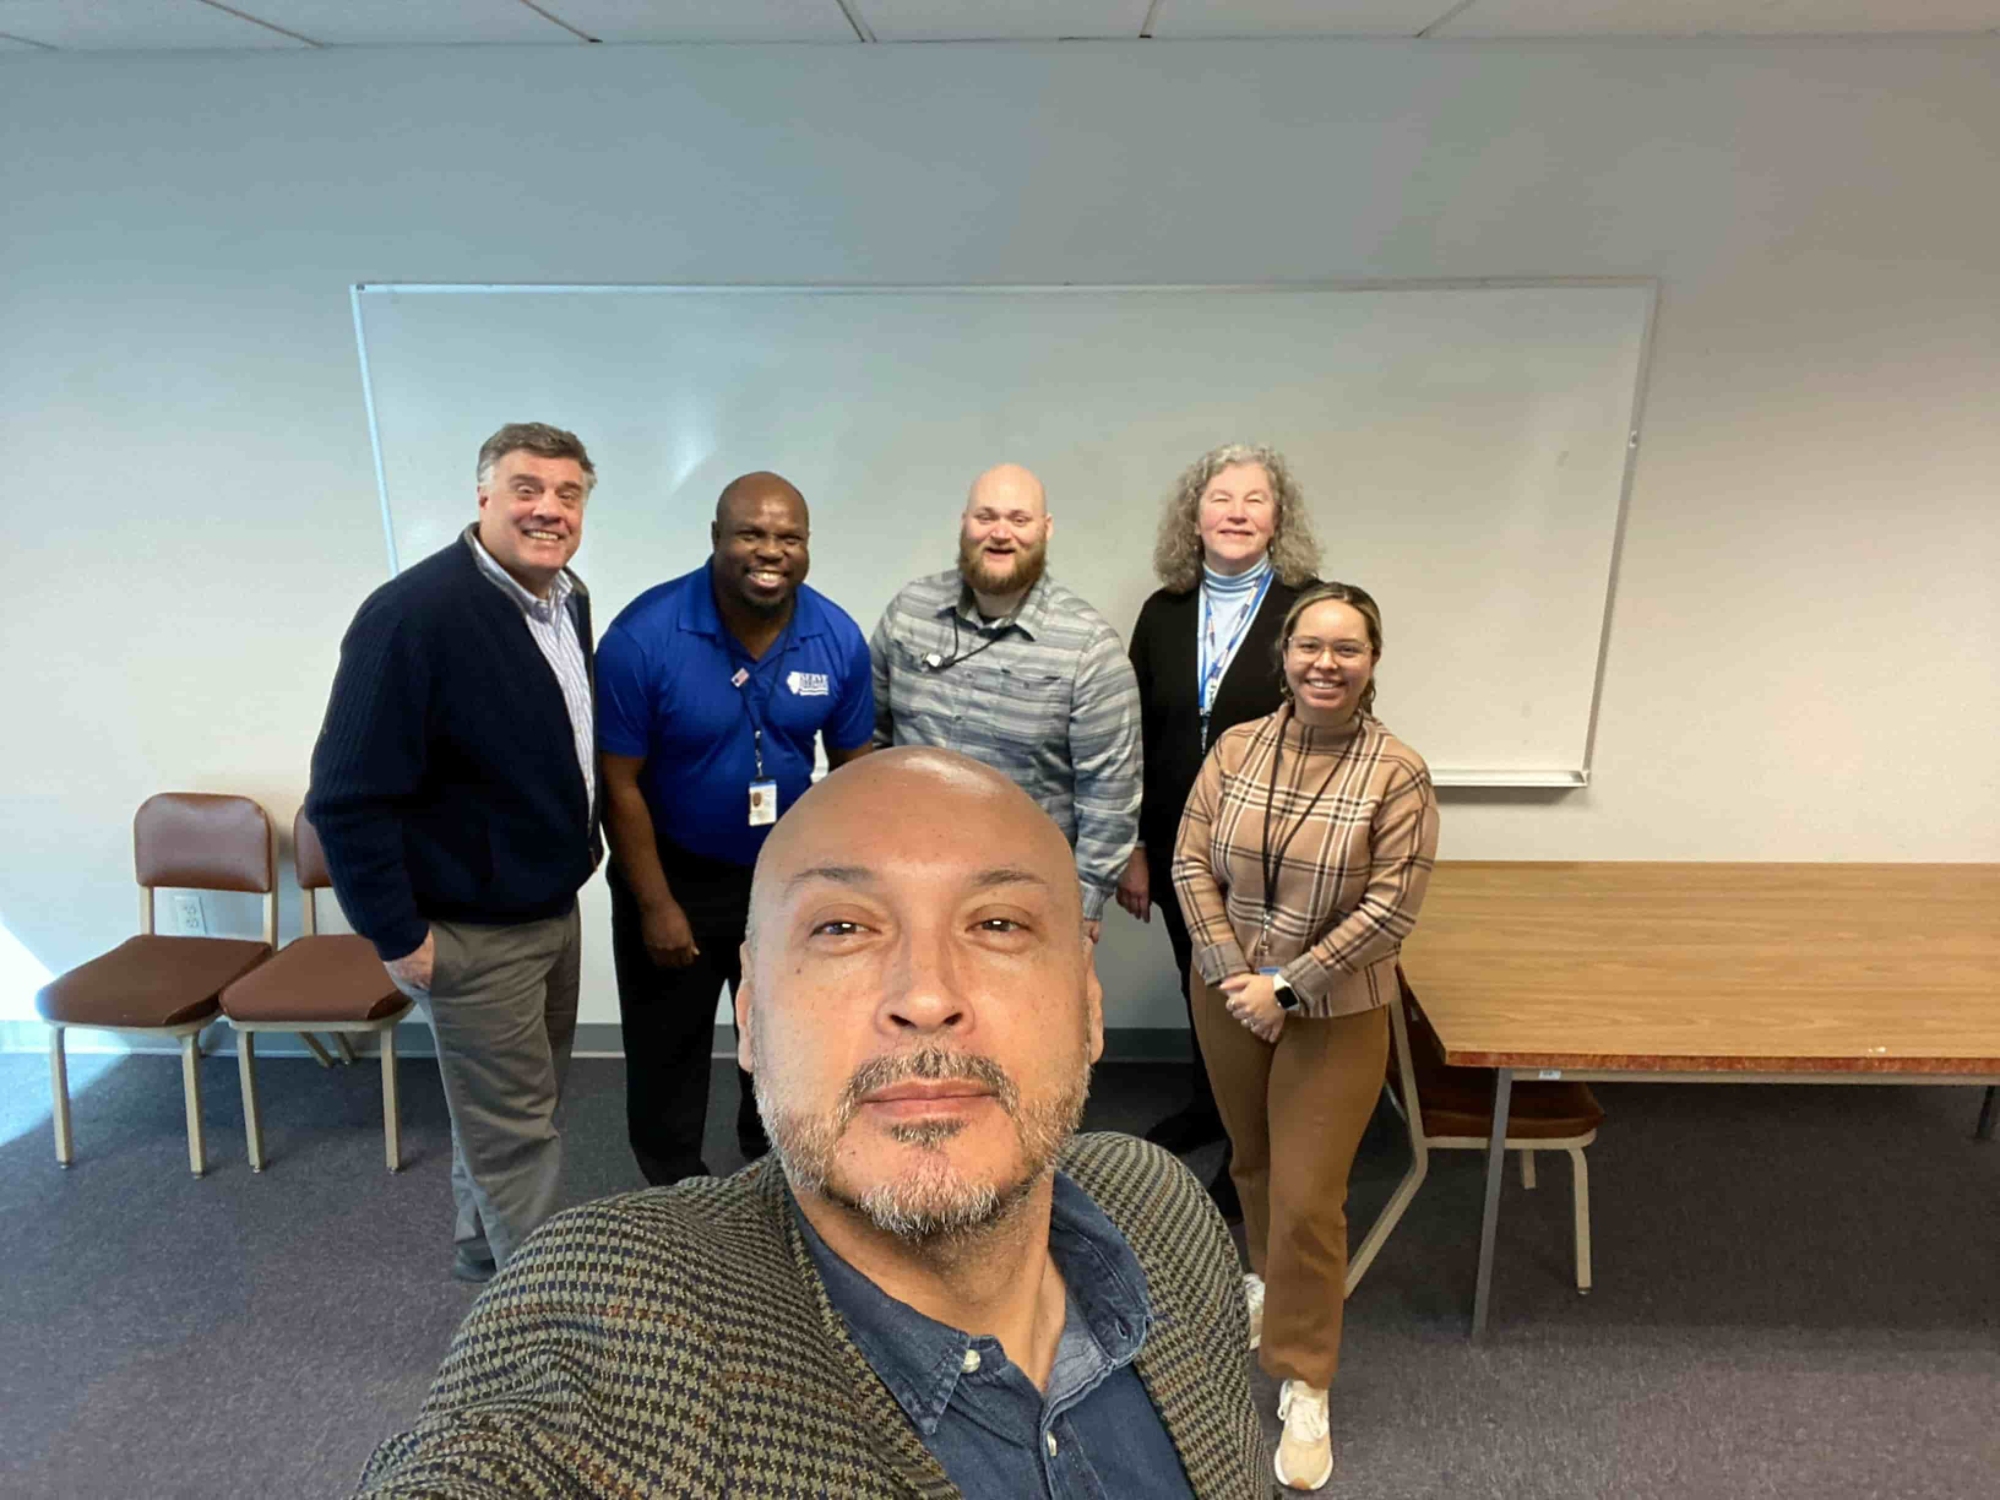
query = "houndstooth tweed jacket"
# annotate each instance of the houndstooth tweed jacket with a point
(679, 1342)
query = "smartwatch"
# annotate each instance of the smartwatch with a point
(1282, 992)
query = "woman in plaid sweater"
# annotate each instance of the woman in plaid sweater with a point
(1301, 863)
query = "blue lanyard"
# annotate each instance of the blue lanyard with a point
(1215, 664)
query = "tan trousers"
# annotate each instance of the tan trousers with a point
(1295, 1113)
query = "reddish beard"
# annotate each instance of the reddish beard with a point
(1024, 572)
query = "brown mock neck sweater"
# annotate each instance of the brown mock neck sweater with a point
(1356, 819)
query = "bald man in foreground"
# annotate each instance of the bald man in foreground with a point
(933, 1287)
(710, 691)
(999, 661)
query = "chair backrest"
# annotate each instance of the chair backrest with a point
(1426, 1050)
(308, 857)
(205, 841)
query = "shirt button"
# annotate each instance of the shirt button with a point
(1052, 1445)
(970, 1364)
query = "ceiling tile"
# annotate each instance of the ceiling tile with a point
(1511, 18)
(132, 25)
(1178, 19)
(391, 23)
(1000, 20)
(705, 20)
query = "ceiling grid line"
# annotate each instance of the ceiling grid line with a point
(230, 10)
(1447, 18)
(863, 32)
(155, 26)
(553, 18)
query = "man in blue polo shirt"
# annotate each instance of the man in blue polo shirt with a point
(710, 690)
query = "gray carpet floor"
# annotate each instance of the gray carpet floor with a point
(1798, 1292)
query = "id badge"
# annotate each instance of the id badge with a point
(763, 803)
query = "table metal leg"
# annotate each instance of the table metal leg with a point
(1496, 1171)
(1983, 1131)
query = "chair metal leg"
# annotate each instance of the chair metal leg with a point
(1988, 1108)
(59, 1097)
(1582, 1197)
(246, 1073)
(313, 1046)
(1395, 1103)
(392, 1125)
(1378, 1232)
(191, 1092)
(1420, 1163)
(340, 1041)
(1528, 1170)
(1489, 1220)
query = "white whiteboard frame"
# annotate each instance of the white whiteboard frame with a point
(1529, 780)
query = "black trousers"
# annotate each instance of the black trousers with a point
(668, 1015)
(1160, 879)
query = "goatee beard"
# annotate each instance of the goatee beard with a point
(929, 1207)
(1029, 563)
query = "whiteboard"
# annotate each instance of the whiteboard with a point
(1464, 449)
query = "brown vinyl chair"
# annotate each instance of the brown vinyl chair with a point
(1454, 1111)
(331, 982)
(152, 986)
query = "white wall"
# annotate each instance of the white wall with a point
(1806, 647)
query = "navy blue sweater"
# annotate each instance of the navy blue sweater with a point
(445, 782)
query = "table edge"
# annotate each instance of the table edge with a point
(1639, 1063)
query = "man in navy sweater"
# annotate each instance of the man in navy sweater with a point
(454, 788)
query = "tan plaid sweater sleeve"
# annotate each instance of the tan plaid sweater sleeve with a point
(1353, 828)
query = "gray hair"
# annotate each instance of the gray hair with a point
(540, 439)
(1294, 549)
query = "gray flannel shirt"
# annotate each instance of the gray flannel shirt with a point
(1046, 697)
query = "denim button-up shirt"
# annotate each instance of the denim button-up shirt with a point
(1093, 1435)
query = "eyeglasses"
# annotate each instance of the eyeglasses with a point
(1307, 648)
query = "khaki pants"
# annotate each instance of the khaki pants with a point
(502, 1005)
(1295, 1113)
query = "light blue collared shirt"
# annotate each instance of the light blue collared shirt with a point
(553, 625)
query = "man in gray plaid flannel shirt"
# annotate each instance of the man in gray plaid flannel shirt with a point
(1000, 662)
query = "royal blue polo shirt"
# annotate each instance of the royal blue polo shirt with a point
(665, 691)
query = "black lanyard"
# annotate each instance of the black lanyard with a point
(936, 663)
(1273, 865)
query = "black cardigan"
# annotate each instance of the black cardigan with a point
(445, 782)
(1166, 654)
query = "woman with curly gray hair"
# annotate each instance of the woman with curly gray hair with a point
(1235, 549)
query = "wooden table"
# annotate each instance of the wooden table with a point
(1709, 973)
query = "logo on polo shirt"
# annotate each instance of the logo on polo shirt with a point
(808, 684)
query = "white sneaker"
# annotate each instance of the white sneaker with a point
(1304, 1459)
(1253, 1294)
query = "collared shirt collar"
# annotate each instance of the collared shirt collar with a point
(543, 609)
(701, 615)
(1030, 616)
(920, 1359)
